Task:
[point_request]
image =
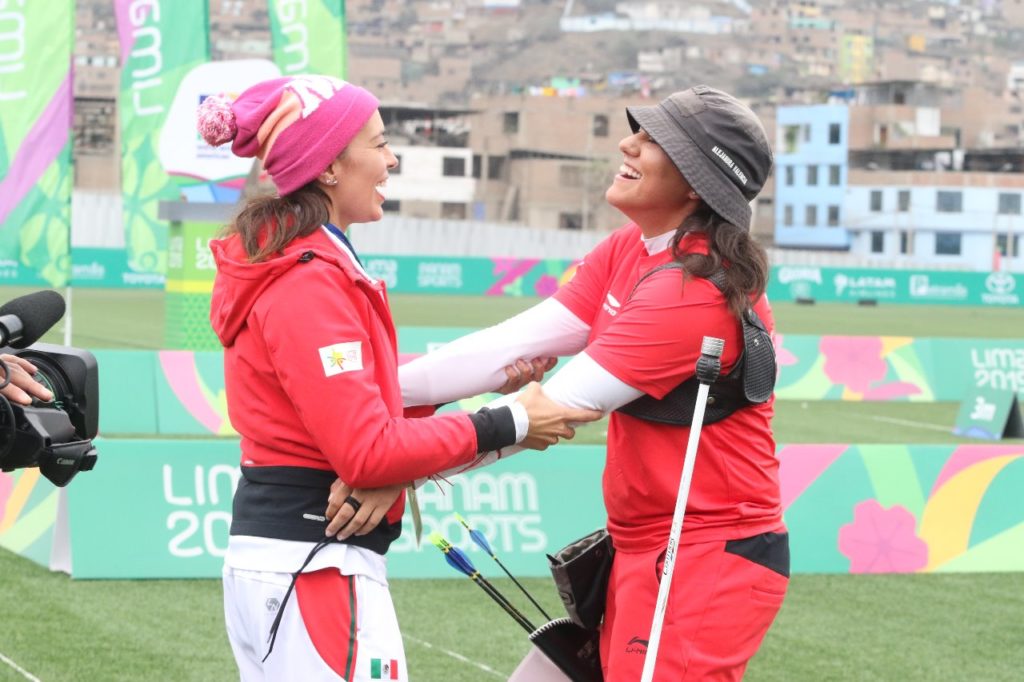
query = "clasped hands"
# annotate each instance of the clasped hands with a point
(352, 512)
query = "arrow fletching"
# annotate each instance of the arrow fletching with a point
(457, 565)
(479, 538)
(438, 541)
(462, 558)
(455, 557)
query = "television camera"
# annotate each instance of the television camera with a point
(55, 436)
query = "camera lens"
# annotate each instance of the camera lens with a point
(54, 380)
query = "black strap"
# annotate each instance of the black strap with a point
(291, 586)
(287, 503)
(749, 382)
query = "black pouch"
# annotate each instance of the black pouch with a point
(574, 650)
(581, 570)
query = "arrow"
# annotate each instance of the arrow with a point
(481, 542)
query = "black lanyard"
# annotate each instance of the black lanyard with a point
(344, 240)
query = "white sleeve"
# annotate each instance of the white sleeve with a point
(475, 363)
(581, 383)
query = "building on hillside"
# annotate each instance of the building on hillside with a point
(884, 177)
(658, 15)
(969, 218)
(811, 145)
(437, 175)
(432, 182)
(546, 161)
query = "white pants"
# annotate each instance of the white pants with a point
(334, 627)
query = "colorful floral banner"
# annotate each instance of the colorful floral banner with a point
(160, 44)
(904, 508)
(190, 394)
(28, 509)
(849, 509)
(35, 143)
(895, 368)
(309, 36)
(182, 392)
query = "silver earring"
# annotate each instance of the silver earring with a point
(331, 182)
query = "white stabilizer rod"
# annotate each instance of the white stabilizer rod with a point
(711, 349)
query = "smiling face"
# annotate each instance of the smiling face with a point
(649, 188)
(361, 173)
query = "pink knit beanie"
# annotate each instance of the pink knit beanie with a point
(296, 125)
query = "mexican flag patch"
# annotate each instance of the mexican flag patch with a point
(383, 669)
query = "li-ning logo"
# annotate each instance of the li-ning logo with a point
(727, 160)
(312, 90)
(636, 646)
(611, 305)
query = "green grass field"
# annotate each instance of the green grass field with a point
(922, 627)
(103, 318)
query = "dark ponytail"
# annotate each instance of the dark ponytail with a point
(267, 223)
(746, 262)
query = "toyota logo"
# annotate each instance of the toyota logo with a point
(1000, 283)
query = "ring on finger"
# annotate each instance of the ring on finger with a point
(354, 503)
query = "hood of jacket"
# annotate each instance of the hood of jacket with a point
(239, 283)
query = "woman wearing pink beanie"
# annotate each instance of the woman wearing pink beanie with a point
(311, 372)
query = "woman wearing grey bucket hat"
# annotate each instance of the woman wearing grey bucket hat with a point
(634, 315)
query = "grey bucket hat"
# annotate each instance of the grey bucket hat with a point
(716, 142)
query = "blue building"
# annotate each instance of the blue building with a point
(902, 190)
(811, 152)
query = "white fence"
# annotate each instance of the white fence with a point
(96, 220)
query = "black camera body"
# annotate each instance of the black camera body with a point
(55, 436)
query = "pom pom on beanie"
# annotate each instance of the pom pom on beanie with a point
(296, 125)
(216, 121)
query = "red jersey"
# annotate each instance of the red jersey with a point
(651, 341)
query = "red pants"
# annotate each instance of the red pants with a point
(724, 598)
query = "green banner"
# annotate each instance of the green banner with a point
(895, 368)
(180, 493)
(934, 287)
(131, 372)
(35, 142)
(182, 392)
(471, 276)
(849, 509)
(160, 44)
(108, 269)
(190, 272)
(542, 277)
(309, 36)
(903, 508)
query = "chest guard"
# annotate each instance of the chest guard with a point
(750, 381)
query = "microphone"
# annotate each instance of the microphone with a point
(25, 319)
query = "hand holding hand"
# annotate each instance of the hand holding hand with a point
(357, 512)
(523, 372)
(549, 420)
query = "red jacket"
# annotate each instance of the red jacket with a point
(310, 363)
